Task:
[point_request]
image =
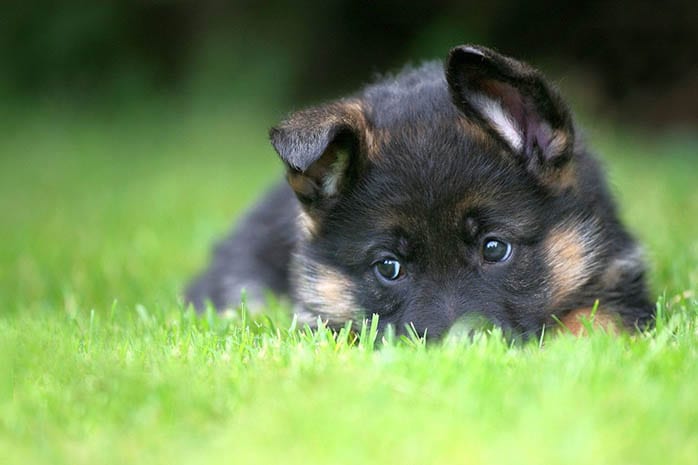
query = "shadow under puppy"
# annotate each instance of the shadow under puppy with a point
(431, 196)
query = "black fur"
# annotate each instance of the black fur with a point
(422, 168)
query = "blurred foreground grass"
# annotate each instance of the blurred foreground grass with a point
(105, 216)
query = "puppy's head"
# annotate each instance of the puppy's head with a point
(431, 197)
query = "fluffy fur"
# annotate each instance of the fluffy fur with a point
(424, 169)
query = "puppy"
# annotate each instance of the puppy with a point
(433, 196)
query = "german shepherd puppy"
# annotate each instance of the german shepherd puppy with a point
(432, 196)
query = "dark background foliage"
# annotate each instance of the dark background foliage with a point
(636, 60)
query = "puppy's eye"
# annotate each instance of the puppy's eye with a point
(389, 269)
(495, 250)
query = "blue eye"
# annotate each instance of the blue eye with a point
(389, 269)
(495, 250)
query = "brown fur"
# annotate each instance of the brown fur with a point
(476, 131)
(308, 226)
(434, 195)
(327, 293)
(570, 256)
(574, 321)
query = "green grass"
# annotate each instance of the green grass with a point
(104, 217)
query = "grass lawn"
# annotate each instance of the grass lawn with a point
(105, 216)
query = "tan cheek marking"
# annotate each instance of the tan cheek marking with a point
(331, 288)
(601, 320)
(325, 292)
(570, 255)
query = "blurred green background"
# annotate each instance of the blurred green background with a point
(635, 59)
(133, 133)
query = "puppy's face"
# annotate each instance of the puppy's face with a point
(431, 199)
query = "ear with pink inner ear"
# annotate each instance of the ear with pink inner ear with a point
(514, 102)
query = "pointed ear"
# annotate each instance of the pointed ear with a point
(515, 103)
(322, 149)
